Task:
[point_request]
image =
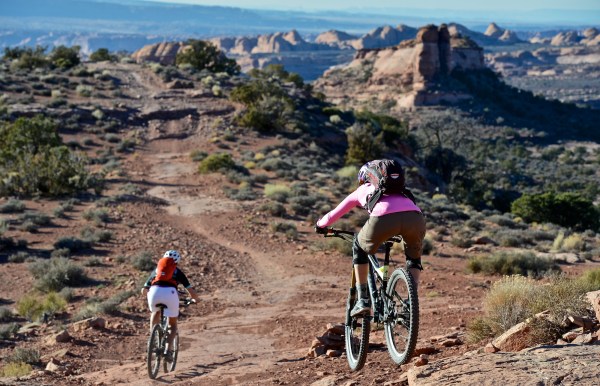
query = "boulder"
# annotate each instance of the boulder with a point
(61, 337)
(163, 53)
(514, 339)
(95, 322)
(53, 365)
(594, 299)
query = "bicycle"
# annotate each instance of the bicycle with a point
(395, 304)
(158, 341)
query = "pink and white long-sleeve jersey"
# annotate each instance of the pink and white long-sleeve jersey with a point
(385, 205)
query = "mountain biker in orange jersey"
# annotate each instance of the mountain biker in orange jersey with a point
(164, 290)
(392, 215)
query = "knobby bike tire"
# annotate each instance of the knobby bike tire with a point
(154, 351)
(356, 336)
(175, 347)
(402, 323)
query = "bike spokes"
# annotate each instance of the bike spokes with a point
(154, 351)
(402, 316)
(357, 338)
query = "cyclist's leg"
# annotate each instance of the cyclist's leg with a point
(172, 332)
(413, 233)
(153, 297)
(172, 311)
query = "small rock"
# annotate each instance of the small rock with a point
(53, 365)
(60, 337)
(584, 339)
(425, 349)
(334, 353)
(490, 348)
(422, 360)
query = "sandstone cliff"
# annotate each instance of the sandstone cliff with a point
(406, 74)
(385, 36)
(336, 38)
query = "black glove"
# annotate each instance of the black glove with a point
(321, 230)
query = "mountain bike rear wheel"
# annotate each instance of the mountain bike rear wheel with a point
(401, 322)
(357, 337)
(170, 365)
(154, 351)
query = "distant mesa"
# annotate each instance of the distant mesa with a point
(565, 38)
(335, 38)
(385, 36)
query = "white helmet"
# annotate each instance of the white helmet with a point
(173, 255)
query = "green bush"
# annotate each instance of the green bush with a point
(216, 162)
(19, 257)
(143, 261)
(57, 273)
(277, 192)
(72, 244)
(33, 160)
(98, 216)
(364, 144)
(12, 206)
(204, 55)
(34, 307)
(9, 330)
(65, 57)
(15, 370)
(24, 355)
(285, 227)
(27, 58)
(101, 55)
(273, 208)
(570, 210)
(510, 263)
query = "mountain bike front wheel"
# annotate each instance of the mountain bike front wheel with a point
(154, 351)
(170, 365)
(401, 322)
(357, 337)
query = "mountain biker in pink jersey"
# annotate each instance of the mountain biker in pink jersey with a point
(392, 215)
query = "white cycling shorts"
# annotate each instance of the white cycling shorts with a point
(164, 295)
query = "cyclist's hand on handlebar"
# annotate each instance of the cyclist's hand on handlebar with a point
(321, 230)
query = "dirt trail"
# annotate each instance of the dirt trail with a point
(225, 347)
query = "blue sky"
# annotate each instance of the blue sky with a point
(479, 5)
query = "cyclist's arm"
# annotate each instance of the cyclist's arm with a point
(148, 283)
(183, 280)
(351, 201)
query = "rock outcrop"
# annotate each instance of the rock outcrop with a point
(163, 53)
(541, 365)
(406, 73)
(493, 31)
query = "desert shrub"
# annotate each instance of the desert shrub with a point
(570, 210)
(244, 193)
(98, 216)
(216, 162)
(364, 143)
(143, 261)
(5, 314)
(287, 228)
(510, 263)
(110, 306)
(73, 244)
(27, 57)
(101, 55)
(198, 155)
(15, 370)
(336, 244)
(592, 278)
(84, 90)
(12, 206)
(277, 71)
(203, 55)
(273, 208)
(514, 299)
(573, 243)
(61, 252)
(24, 355)
(511, 238)
(57, 273)
(19, 257)
(427, 245)
(36, 218)
(269, 107)
(34, 160)
(277, 192)
(65, 57)
(9, 330)
(34, 307)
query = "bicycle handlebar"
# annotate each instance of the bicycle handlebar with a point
(333, 232)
